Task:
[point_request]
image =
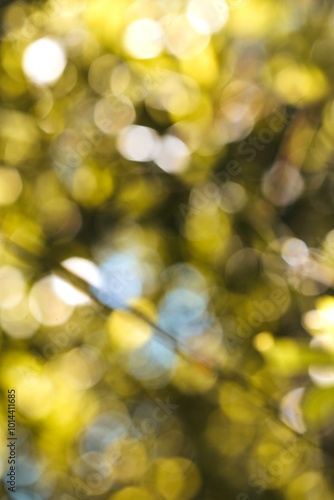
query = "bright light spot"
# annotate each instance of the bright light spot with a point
(312, 320)
(46, 306)
(12, 286)
(322, 376)
(320, 319)
(10, 186)
(122, 280)
(290, 410)
(182, 39)
(44, 61)
(207, 16)
(295, 252)
(138, 143)
(173, 155)
(144, 39)
(263, 341)
(83, 268)
(325, 305)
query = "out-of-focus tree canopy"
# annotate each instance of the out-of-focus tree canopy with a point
(167, 248)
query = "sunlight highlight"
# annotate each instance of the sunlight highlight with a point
(44, 61)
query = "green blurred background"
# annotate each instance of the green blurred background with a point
(167, 248)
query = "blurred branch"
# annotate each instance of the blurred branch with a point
(181, 349)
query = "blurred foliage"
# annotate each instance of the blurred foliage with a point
(167, 248)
